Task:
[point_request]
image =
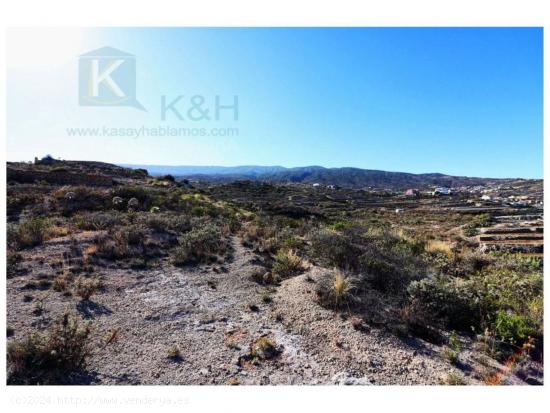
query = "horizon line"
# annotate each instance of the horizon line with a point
(319, 166)
(126, 164)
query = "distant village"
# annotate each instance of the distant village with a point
(490, 195)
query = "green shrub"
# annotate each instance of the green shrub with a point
(517, 262)
(503, 301)
(453, 379)
(454, 342)
(512, 328)
(455, 347)
(391, 263)
(199, 211)
(341, 225)
(85, 198)
(470, 230)
(200, 245)
(127, 192)
(291, 243)
(164, 223)
(450, 355)
(30, 233)
(333, 249)
(50, 357)
(483, 220)
(446, 301)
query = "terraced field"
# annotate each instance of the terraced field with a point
(521, 233)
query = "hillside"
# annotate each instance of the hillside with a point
(118, 277)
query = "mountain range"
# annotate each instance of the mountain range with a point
(345, 177)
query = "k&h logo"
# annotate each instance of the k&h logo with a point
(107, 77)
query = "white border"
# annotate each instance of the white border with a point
(67, 13)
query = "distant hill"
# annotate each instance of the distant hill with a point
(249, 171)
(345, 177)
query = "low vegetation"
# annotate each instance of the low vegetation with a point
(174, 353)
(336, 290)
(264, 349)
(414, 274)
(49, 357)
(201, 245)
(287, 264)
(86, 287)
(28, 234)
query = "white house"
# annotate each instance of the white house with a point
(442, 190)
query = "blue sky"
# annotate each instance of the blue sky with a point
(462, 101)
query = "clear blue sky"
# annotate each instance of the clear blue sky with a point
(462, 101)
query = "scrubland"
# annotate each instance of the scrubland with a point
(157, 281)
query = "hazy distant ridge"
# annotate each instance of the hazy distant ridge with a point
(346, 177)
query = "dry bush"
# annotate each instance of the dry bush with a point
(111, 336)
(49, 357)
(95, 221)
(413, 319)
(336, 290)
(62, 282)
(444, 247)
(260, 236)
(13, 261)
(287, 264)
(86, 287)
(453, 379)
(261, 276)
(174, 353)
(264, 349)
(119, 243)
(57, 230)
(133, 235)
(469, 263)
(105, 246)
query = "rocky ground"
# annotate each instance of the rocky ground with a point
(163, 316)
(214, 315)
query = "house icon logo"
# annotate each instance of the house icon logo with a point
(107, 77)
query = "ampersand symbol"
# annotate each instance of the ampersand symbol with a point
(196, 102)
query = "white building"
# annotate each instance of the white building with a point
(442, 190)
